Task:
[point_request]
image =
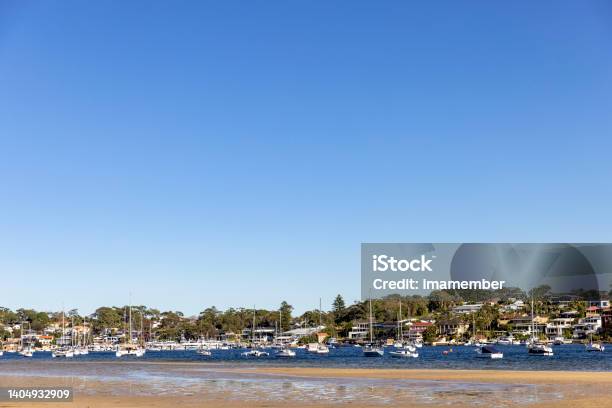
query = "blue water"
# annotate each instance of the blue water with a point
(566, 358)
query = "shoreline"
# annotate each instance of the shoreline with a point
(167, 384)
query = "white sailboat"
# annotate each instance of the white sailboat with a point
(83, 347)
(372, 350)
(204, 351)
(591, 346)
(254, 352)
(402, 350)
(25, 351)
(284, 351)
(63, 351)
(535, 347)
(129, 348)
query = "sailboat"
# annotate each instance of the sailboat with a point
(536, 347)
(254, 352)
(129, 348)
(371, 350)
(284, 351)
(321, 348)
(25, 351)
(63, 351)
(594, 346)
(83, 350)
(402, 350)
(204, 351)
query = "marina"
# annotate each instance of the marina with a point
(572, 357)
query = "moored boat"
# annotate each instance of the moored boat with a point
(489, 352)
(403, 353)
(595, 347)
(285, 352)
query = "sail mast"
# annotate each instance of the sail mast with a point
(253, 327)
(371, 320)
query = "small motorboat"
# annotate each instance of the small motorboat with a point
(322, 349)
(404, 353)
(540, 349)
(285, 352)
(255, 353)
(63, 352)
(489, 352)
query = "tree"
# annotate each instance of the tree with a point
(430, 334)
(338, 305)
(285, 309)
(540, 292)
(107, 318)
(207, 322)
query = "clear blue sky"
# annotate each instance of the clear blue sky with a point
(230, 153)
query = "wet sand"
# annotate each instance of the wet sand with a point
(168, 385)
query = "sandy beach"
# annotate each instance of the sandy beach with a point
(316, 387)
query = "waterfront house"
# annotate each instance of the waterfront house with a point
(467, 308)
(416, 329)
(600, 304)
(359, 331)
(451, 327)
(557, 326)
(587, 326)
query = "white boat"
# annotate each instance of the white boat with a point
(1, 353)
(559, 340)
(489, 352)
(595, 347)
(285, 352)
(204, 352)
(540, 349)
(130, 350)
(256, 353)
(403, 353)
(62, 352)
(312, 347)
(536, 348)
(372, 350)
(322, 349)
(505, 341)
(26, 350)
